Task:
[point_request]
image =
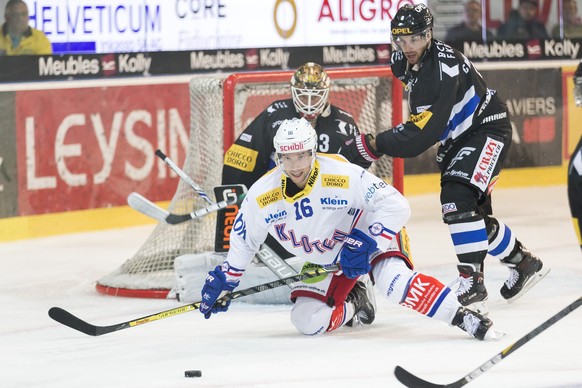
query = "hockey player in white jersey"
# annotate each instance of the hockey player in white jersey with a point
(326, 210)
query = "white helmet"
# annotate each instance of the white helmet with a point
(310, 89)
(295, 135)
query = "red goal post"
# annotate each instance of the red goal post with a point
(221, 106)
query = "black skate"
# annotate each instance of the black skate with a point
(470, 288)
(475, 324)
(362, 296)
(525, 271)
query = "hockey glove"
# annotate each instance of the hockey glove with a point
(223, 278)
(356, 254)
(578, 91)
(360, 151)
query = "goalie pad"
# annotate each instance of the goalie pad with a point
(191, 269)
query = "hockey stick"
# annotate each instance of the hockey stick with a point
(413, 381)
(150, 209)
(66, 318)
(184, 176)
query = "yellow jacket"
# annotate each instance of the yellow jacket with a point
(33, 42)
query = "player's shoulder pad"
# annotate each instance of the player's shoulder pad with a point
(279, 105)
(340, 112)
(450, 60)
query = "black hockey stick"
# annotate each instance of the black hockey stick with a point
(146, 207)
(413, 381)
(66, 318)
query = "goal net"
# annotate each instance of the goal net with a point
(221, 107)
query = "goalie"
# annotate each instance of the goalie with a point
(331, 211)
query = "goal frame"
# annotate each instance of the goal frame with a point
(230, 84)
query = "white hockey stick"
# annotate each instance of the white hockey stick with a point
(183, 175)
(150, 209)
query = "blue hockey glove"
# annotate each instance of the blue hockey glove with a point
(222, 278)
(356, 254)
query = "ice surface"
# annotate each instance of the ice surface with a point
(256, 346)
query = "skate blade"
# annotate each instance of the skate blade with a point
(493, 335)
(535, 279)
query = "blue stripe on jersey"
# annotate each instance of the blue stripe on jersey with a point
(504, 242)
(438, 302)
(461, 116)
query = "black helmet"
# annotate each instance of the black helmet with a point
(411, 20)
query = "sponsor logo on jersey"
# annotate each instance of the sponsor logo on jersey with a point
(487, 161)
(269, 197)
(337, 181)
(371, 190)
(278, 215)
(240, 226)
(421, 119)
(465, 151)
(457, 173)
(241, 158)
(328, 203)
(495, 117)
(246, 137)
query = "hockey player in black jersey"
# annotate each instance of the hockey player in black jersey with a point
(575, 166)
(450, 104)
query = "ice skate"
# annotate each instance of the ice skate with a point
(475, 324)
(364, 300)
(525, 271)
(470, 288)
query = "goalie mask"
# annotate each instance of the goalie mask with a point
(411, 30)
(295, 148)
(310, 89)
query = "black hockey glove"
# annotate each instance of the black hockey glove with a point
(360, 152)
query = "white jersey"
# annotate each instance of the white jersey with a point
(312, 224)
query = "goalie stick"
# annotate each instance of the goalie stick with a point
(183, 175)
(150, 209)
(66, 318)
(413, 381)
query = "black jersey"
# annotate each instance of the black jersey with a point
(448, 101)
(251, 154)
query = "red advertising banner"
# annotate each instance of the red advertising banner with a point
(87, 148)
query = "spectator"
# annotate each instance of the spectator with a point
(572, 24)
(17, 37)
(470, 29)
(523, 24)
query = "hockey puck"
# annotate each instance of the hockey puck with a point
(193, 373)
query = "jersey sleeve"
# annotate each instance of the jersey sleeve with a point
(248, 233)
(387, 210)
(424, 129)
(249, 156)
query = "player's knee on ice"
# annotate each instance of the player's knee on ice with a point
(310, 316)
